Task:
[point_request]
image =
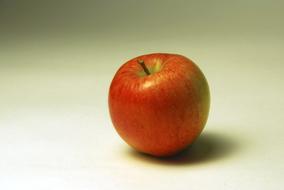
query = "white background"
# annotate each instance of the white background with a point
(55, 130)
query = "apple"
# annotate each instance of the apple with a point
(159, 103)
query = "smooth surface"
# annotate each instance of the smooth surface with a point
(162, 113)
(55, 130)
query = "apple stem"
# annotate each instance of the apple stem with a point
(141, 62)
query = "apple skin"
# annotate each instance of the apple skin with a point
(162, 113)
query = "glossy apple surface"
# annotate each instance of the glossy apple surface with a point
(164, 111)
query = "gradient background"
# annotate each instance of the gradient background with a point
(57, 59)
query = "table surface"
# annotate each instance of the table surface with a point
(55, 129)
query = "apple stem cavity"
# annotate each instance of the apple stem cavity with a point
(141, 62)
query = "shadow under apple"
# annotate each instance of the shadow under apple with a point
(208, 147)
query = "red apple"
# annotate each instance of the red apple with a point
(159, 103)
